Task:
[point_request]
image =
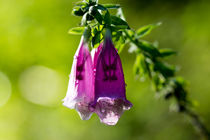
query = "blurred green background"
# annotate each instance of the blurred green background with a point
(36, 54)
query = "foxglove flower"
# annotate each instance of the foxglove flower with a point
(81, 83)
(110, 99)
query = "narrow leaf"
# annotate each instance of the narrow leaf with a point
(96, 14)
(119, 41)
(96, 40)
(119, 22)
(81, 3)
(77, 30)
(111, 6)
(77, 11)
(107, 18)
(140, 66)
(167, 52)
(101, 7)
(165, 69)
(149, 48)
(143, 31)
(98, 17)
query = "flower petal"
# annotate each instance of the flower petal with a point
(81, 83)
(110, 99)
(109, 110)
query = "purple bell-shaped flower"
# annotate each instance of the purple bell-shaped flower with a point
(110, 99)
(81, 83)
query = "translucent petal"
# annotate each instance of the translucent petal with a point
(81, 82)
(110, 99)
(109, 110)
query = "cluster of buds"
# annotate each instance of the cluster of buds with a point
(97, 83)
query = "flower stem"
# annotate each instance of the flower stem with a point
(196, 121)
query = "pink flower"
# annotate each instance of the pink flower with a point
(110, 100)
(81, 83)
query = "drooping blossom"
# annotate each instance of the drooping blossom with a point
(81, 83)
(110, 99)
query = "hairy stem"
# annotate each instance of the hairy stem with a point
(196, 121)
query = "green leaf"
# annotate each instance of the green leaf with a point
(81, 3)
(131, 33)
(120, 47)
(94, 31)
(89, 17)
(120, 23)
(149, 48)
(116, 35)
(118, 27)
(180, 91)
(96, 14)
(143, 31)
(140, 68)
(157, 82)
(181, 81)
(96, 40)
(136, 67)
(101, 7)
(107, 18)
(119, 41)
(165, 69)
(98, 17)
(77, 11)
(96, 1)
(111, 6)
(166, 52)
(92, 1)
(77, 30)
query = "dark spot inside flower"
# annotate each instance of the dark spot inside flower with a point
(114, 77)
(109, 67)
(79, 77)
(80, 68)
(110, 78)
(113, 66)
(108, 70)
(106, 77)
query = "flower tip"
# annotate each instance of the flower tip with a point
(67, 104)
(109, 110)
(81, 108)
(111, 120)
(84, 116)
(83, 111)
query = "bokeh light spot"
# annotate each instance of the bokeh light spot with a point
(41, 85)
(5, 89)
